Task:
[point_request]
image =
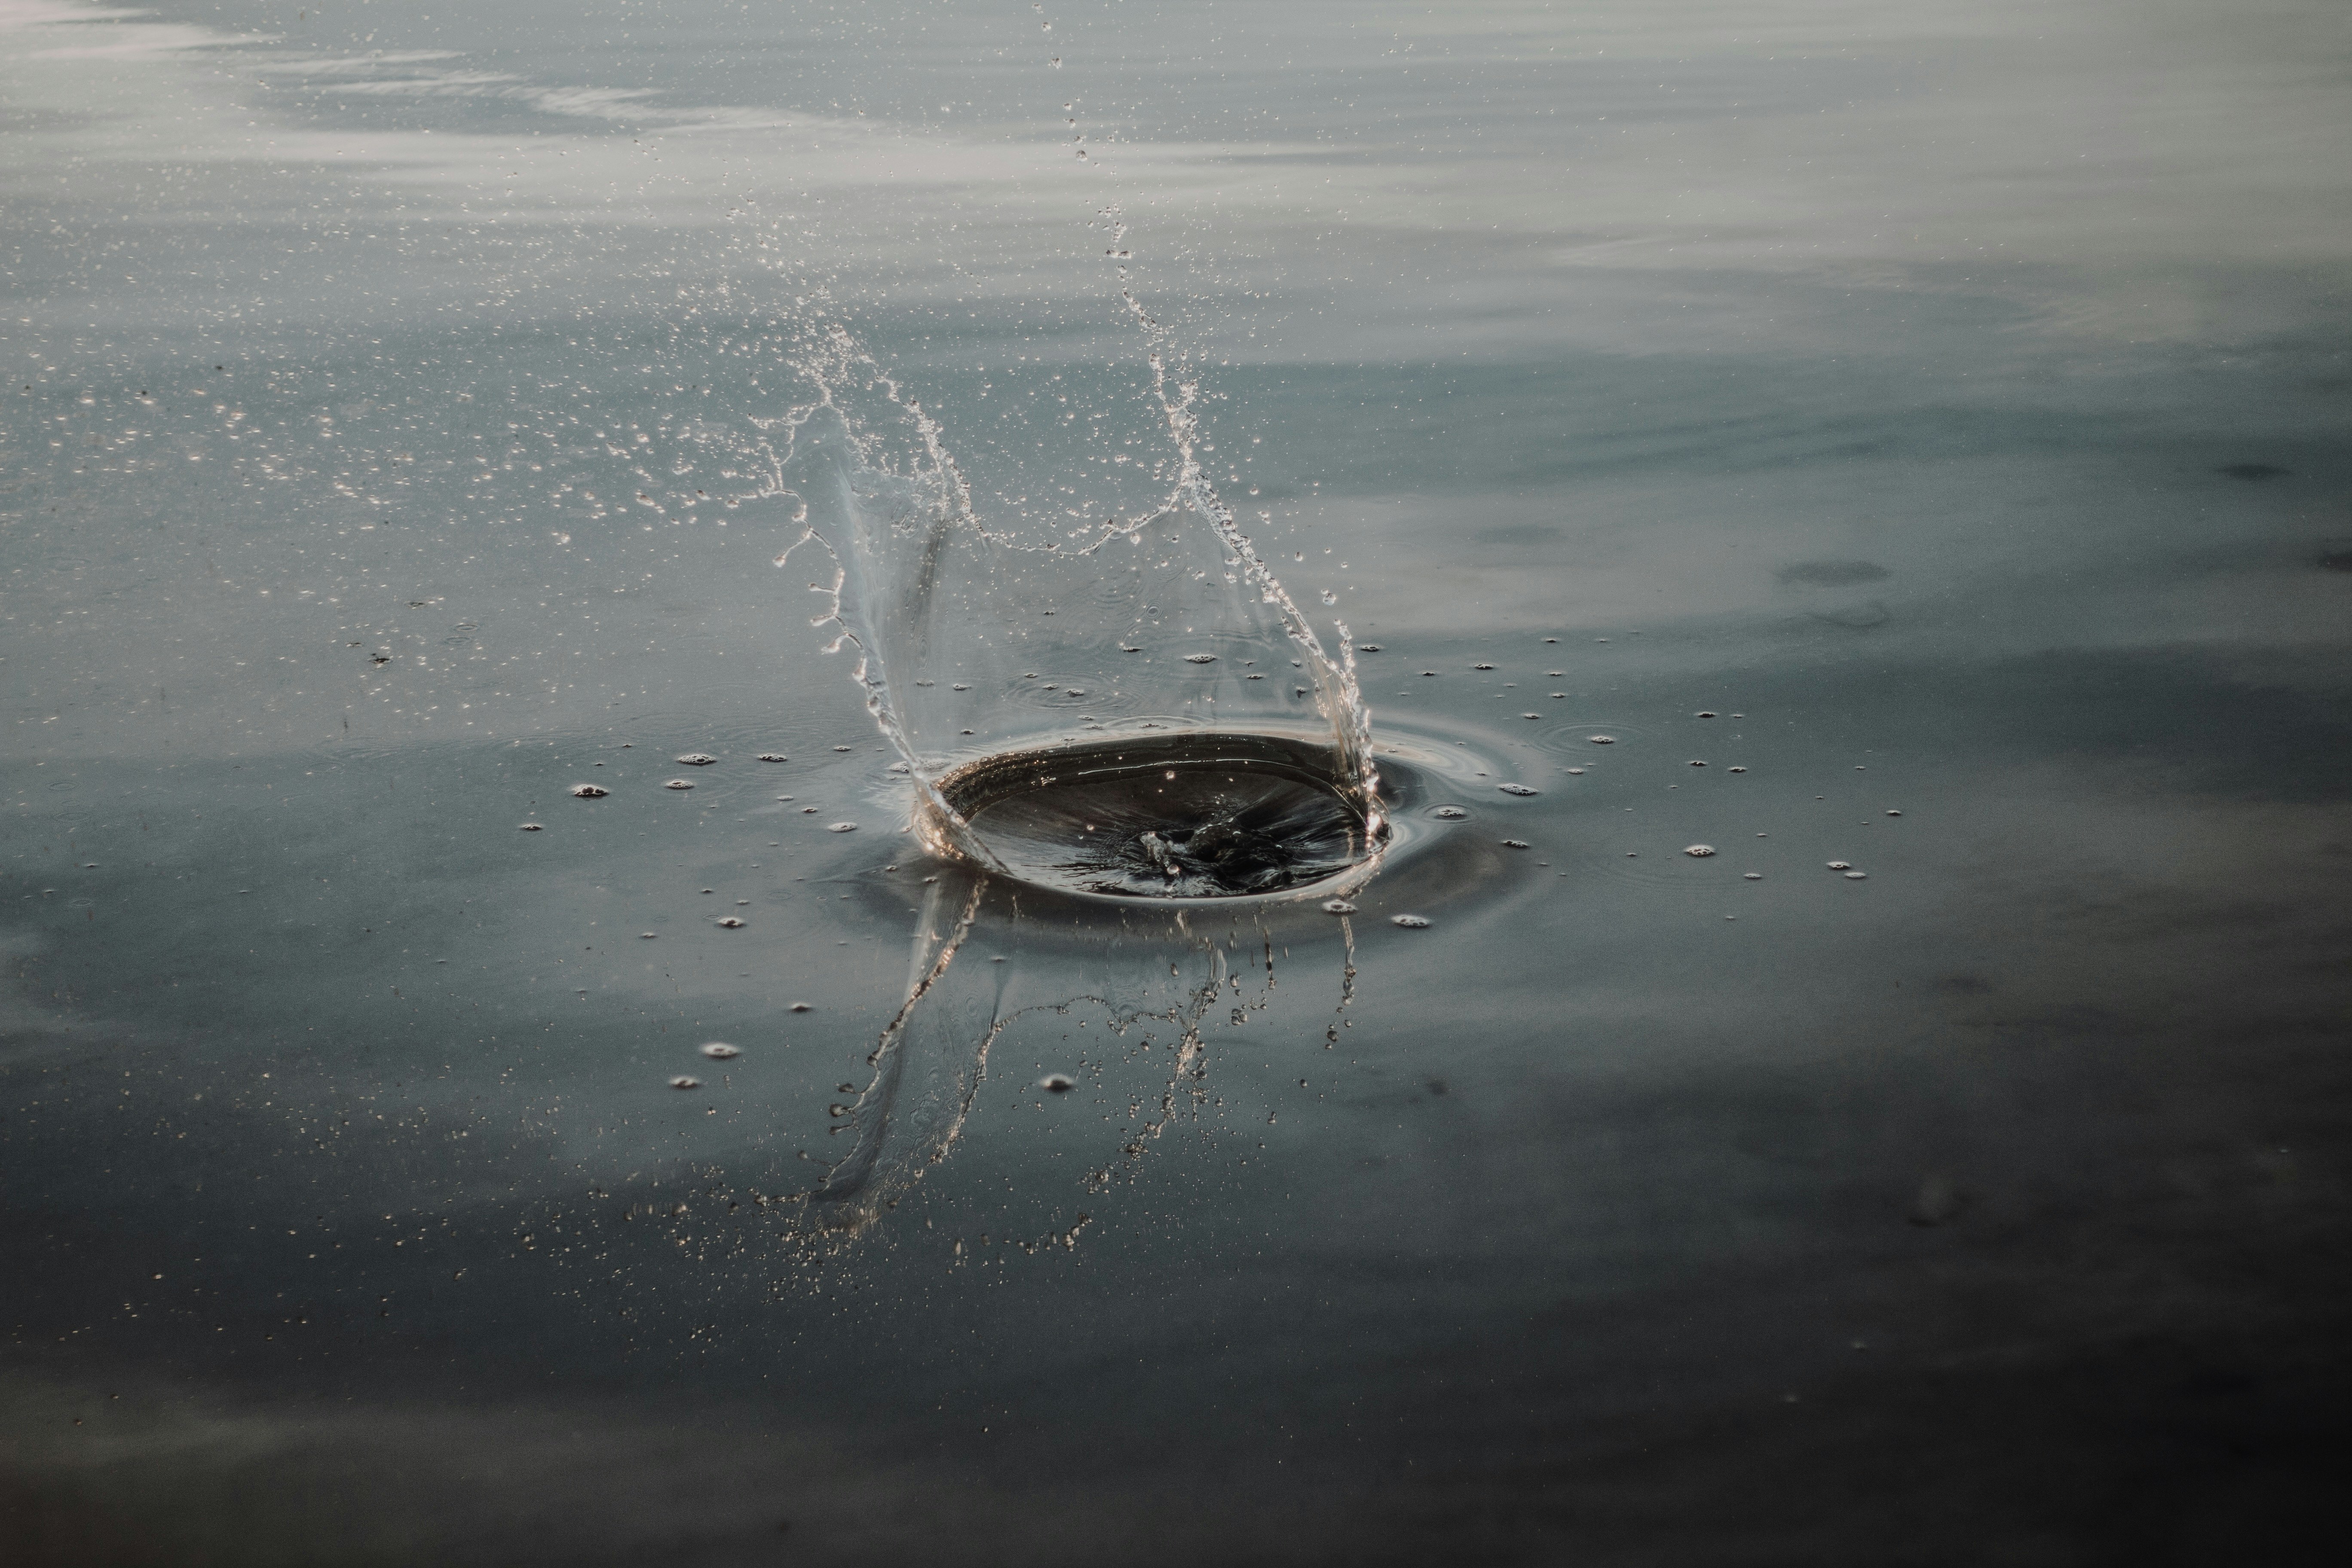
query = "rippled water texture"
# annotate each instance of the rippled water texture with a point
(1743, 959)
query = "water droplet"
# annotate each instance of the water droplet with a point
(773, 757)
(683, 1082)
(1752, 876)
(798, 1007)
(590, 792)
(1368, 647)
(646, 936)
(1338, 907)
(1200, 658)
(1482, 666)
(720, 1051)
(679, 783)
(1737, 770)
(843, 748)
(1702, 714)
(1516, 789)
(1840, 865)
(1448, 813)
(841, 827)
(1577, 771)
(1699, 851)
(1530, 715)
(1855, 876)
(1602, 739)
(1055, 1083)
(731, 922)
(1513, 843)
(697, 759)
(1329, 598)
(530, 827)
(1894, 813)
(1695, 763)
(1409, 922)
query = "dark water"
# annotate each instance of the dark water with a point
(1930, 421)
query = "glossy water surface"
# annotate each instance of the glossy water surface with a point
(1898, 447)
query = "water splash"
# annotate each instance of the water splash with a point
(991, 654)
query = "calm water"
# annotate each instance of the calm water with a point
(1913, 437)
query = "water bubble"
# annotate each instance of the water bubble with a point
(1055, 1083)
(530, 827)
(841, 827)
(1200, 658)
(1516, 789)
(697, 759)
(1409, 922)
(773, 757)
(679, 783)
(1602, 739)
(1338, 907)
(720, 1051)
(1448, 813)
(731, 922)
(1699, 851)
(1513, 843)
(590, 792)
(683, 1082)
(1840, 865)
(1855, 876)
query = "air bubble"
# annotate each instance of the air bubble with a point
(679, 783)
(1513, 843)
(1695, 763)
(1482, 666)
(1840, 865)
(1409, 922)
(731, 924)
(1752, 876)
(590, 792)
(1338, 907)
(1056, 1083)
(529, 826)
(697, 759)
(1329, 598)
(720, 1051)
(684, 1081)
(841, 827)
(1856, 876)
(1448, 813)
(1200, 658)
(1703, 714)
(1699, 851)
(1368, 647)
(1516, 789)
(773, 757)
(798, 1007)
(1894, 813)
(1735, 770)
(1577, 771)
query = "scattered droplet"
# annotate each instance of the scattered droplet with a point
(1699, 851)
(1855, 876)
(1513, 843)
(1448, 813)
(1409, 922)
(590, 792)
(530, 827)
(1840, 865)
(841, 827)
(1200, 658)
(679, 783)
(1602, 739)
(773, 757)
(731, 922)
(1055, 1083)
(683, 1082)
(1516, 789)
(720, 1051)
(1338, 907)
